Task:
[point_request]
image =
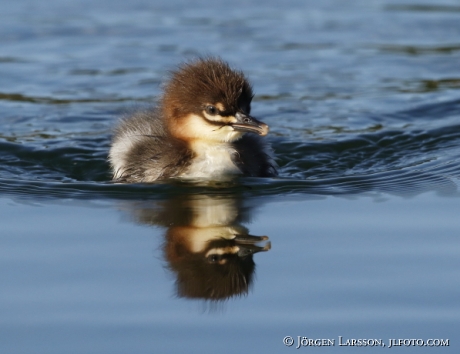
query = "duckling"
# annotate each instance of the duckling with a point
(201, 128)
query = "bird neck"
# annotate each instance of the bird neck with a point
(212, 159)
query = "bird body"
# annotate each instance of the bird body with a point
(200, 129)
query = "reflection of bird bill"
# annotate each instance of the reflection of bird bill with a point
(212, 263)
(247, 244)
(212, 243)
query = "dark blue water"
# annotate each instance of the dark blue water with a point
(363, 103)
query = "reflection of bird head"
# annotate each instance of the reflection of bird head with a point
(212, 263)
(209, 252)
(206, 100)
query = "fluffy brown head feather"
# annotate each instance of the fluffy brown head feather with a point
(206, 81)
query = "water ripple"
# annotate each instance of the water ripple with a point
(50, 100)
(399, 162)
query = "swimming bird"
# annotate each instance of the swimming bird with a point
(201, 128)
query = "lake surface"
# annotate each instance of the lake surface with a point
(362, 226)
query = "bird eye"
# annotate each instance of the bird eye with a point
(211, 110)
(214, 258)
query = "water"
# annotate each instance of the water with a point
(363, 104)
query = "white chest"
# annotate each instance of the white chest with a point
(212, 161)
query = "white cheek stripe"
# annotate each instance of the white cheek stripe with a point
(220, 119)
(223, 250)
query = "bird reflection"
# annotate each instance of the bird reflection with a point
(207, 249)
